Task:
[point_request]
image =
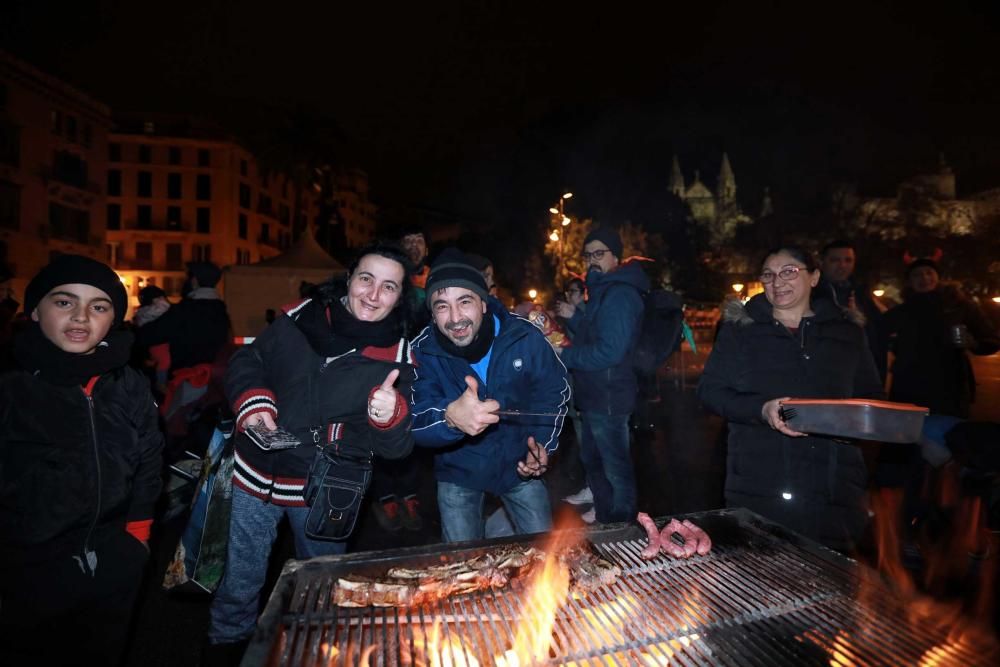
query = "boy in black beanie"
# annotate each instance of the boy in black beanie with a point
(80, 458)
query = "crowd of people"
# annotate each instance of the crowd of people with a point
(404, 355)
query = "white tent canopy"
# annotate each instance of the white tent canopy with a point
(250, 289)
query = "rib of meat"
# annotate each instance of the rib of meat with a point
(652, 534)
(587, 570)
(409, 587)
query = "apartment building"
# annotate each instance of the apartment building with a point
(179, 190)
(53, 161)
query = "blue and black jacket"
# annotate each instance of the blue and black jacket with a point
(524, 373)
(604, 338)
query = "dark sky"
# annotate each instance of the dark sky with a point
(489, 109)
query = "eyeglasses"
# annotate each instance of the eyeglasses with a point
(597, 254)
(786, 274)
(574, 291)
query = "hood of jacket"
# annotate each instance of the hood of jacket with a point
(629, 273)
(759, 309)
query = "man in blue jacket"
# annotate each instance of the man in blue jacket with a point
(604, 337)
(473, 360)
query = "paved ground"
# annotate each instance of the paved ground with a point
(680, 459)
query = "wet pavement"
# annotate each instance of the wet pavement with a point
(679, 454)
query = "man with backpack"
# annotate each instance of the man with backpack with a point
(601, 360)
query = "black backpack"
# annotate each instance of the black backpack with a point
(662, 331)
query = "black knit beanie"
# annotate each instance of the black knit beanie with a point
(923, 261)
(69, 269)
(453, 269)
(609, 237)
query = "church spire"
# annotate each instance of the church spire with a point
(727, 181)
(676, 183)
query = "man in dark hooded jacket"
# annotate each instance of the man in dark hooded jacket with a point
(604, 338)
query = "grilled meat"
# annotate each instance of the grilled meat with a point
(411, 587)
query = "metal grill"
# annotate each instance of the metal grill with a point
(762, 597)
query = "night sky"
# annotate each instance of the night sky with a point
(487, 110)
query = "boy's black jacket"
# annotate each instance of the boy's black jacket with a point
(55, 480)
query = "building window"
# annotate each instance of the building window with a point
(204, 157)
(243, 226)
(201, 252)
(69, 224)
(71, 128)
(244, 168)
(242, 256)
(174, 189)
(173, 217)
(114, 183)
(203, 221)
(86, 135)
(10, 144)
(264, 205)
(55, 120)
(10, 205)
(112, 249)
(284, 215)
(144, 217)
(143, 255)
(145, 154)
(114, 216)
(69, 168)
(265, 233)
(244, 196)
(203, 187)
(175, 257)
(174, 155)
(144, 184)
(3, 96)
(114, 152)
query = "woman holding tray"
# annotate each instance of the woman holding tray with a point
(782, 344)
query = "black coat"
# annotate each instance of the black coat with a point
(281, 373)
(196, 329)
(928, 369)
(71, 469)
(840, 294)
(812, 484)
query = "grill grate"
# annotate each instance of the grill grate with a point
(762, 597)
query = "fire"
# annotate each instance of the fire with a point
(546, 592)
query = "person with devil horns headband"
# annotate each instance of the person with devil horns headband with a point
(931, 334)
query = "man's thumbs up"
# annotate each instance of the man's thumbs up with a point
(467, 413)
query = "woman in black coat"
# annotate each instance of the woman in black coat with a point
(781, 345)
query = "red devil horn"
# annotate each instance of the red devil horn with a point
(908, 258)
(938, 253)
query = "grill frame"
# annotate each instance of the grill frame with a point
(776, 618)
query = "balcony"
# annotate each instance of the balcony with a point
(156, 226)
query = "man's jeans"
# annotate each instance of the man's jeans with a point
(462, 510)
(604, 450)
(253, 527)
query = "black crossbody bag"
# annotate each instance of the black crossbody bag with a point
(334, 490)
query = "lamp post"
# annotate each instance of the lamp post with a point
(559, 219)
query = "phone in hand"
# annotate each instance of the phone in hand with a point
(269, 440)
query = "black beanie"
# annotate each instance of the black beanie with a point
(150, 293)
(453, 269)
(69, 269)
(206, 273)
(923, 261)
(609, 237)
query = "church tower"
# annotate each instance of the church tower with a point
(726, 190)
(676, 183)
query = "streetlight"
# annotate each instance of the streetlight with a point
(567, 195)
(532, 293)
(554, 236)
(738, 287)
(879, 292)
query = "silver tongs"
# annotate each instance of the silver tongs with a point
(521, 413)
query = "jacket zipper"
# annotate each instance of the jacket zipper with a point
(90, 556)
